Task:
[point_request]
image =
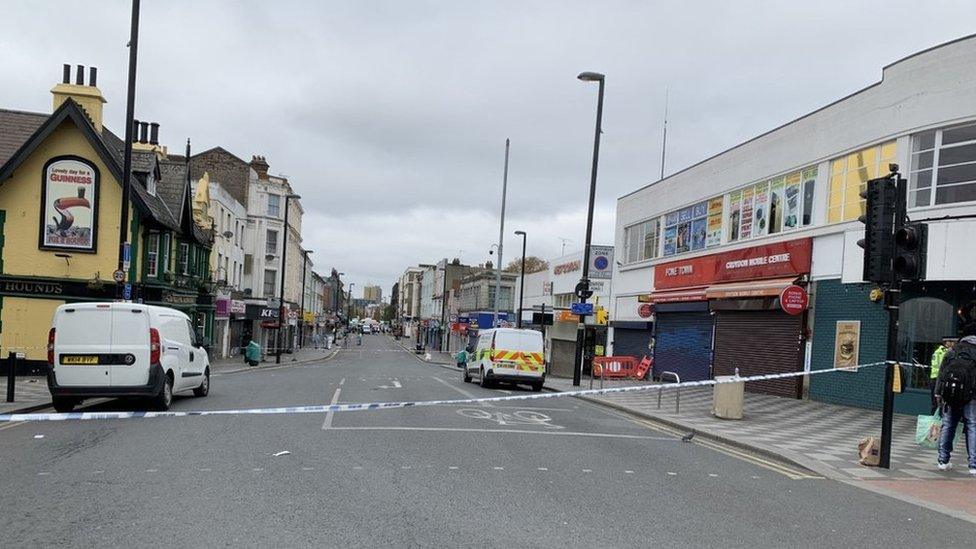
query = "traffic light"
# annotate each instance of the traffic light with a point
(910, 251)
(881, 195)
(602, 316)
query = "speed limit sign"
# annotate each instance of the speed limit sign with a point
(118, 275)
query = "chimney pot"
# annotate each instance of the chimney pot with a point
(80, 75)
(143, 132)
(154, 133)
(135, 131)
(93, 76)
(66, 74)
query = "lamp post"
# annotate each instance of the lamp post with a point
(281, 289)
(301, 322)
(521, 278)
(349, 304)
(583, 289)
(501, 237)
(130, 102)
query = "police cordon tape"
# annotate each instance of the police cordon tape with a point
(326, 408)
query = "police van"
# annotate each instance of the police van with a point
(123, 350)
(507, 355)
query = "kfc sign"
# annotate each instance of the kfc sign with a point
(775, 260)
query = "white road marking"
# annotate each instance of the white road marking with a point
(453, 468)
(712, 475)
(308, 469)
(43, 473)
(498, 468)
(672, 473)
(629, 472)
(258, 469)
(342, 382)
(515, 431)
(587, 470)
(327, 424)
(543, 468)
(460, 390)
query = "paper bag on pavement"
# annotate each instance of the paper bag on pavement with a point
(869, 449)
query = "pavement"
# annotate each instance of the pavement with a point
(554, 472)
(31, 393)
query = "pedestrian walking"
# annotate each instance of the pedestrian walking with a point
(935, 363)
(956, 387)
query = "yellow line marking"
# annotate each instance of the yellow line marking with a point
(12, 425)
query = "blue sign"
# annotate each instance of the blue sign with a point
(126, 256)
(127, 292)
(581, 309)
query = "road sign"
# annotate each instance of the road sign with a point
(583, 290)
(581, 309)
(126, 256)
(118, 275)
(454, 318)
(127, 292)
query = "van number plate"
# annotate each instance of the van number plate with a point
(79, 359)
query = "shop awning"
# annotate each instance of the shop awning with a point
(675, 296)
(752, 288)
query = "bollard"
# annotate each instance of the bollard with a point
(11, 375)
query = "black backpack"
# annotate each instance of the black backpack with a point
(958, 376)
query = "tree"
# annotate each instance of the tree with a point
(533, 264)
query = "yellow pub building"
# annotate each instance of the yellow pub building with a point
(60, 211)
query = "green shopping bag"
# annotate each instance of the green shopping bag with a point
(928, 429)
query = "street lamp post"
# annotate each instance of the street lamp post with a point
(501, 238)
(584, 286)
(349, 304)
(301, 321)
(443, 333)
(281, 289)
(521, 278)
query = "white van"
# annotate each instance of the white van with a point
(509, 355)
(123, 350)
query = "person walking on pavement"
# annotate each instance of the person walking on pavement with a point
(956, 387)
(935, 363)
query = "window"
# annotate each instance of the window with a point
(152, 254)
(943, 160)
(848, 177)
(641, 240)
(184, 260)
(270, 276)
(165, 254)
(274, 205)
(271, 244)
(151, 184)
(780, 204)
(686, 230)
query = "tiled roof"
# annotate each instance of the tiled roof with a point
(15, 128)
(171, 186)
(157, 207)
(142, 161)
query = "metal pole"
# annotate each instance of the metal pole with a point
(301, 321)
(11, 375)
(281, 290)
(443, 310)
(130, 107)
(501, 237)
(581, 327)
(522, 281)
(664, 142)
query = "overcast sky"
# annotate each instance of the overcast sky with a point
(390, 118)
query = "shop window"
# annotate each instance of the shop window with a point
(152, 254)
(923, 323)
(686, 230)
(778, 205)
(943, 166)
(848, 176)
(641, 240)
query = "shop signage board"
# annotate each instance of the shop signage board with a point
(69, 202)
(601, 262)
(223, 307)
(260, 312)
(237, 307)
(777, 259)
(645, 310)
(794, 299)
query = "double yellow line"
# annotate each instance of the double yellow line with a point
(777, 467)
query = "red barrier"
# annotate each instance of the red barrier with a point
(615, 367)
(642, 368)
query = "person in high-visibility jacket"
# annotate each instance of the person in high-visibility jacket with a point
(936, 363)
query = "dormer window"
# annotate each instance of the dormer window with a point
(151, 183)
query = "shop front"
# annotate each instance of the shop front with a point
(738, 311)
(633, 328)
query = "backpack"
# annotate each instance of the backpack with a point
(958, 374)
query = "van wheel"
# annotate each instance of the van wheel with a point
(484, 380)
(464, 375)
(537, 387)
(64, 405)
(165, 397)
(204, 388)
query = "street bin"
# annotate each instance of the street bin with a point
(727, 398)
(252, 354)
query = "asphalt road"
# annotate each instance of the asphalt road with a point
(553, 472)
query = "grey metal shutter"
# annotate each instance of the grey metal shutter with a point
(683, 345)
(630, 342)
(760, 342)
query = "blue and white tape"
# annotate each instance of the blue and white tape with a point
(326, 408)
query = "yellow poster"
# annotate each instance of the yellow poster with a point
(847, 343)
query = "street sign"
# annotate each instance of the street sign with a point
(583, 290)
(127, 292)
(118, 275)
(126, 256)
(581, 309)
(454, 318)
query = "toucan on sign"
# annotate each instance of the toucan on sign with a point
(69, 202)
